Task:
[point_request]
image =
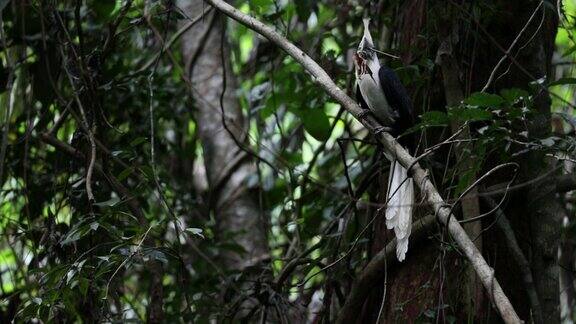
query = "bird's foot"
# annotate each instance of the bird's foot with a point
(382, 129)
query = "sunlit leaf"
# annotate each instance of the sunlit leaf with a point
(108, 203)
(105, 9)
(195, 231)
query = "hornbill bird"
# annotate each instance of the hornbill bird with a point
(380, 92)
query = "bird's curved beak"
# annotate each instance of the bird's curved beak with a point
(360, 64)
(366, 48)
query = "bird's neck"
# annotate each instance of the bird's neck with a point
(373, 65)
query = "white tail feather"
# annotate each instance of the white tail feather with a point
(400, 199)
(401, 248)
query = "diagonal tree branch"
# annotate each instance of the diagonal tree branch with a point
(441, 209)
(516, 252)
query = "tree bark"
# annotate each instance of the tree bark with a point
(535, 213)
(227, 166)
(470, 203)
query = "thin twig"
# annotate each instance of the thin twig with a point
(171, 42)
(525, 44)
(89, 130)
(479, 180)
(503, 188)
(509, 50)
(511, 57)
(114, 26)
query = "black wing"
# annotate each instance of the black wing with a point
(399, 101)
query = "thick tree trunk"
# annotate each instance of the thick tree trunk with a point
(227, 166)
(536, 212)
(431, 283)
(454, 94)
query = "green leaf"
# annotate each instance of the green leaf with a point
(105, 9)
(70, 274)
(482, 99)
(108, 203)
(294, 158)
(83, 286)
(147, 171)
(569, 51)
(261, 5)
(434, 118)
(74, 235)
(304, 8)
(138, 141)
(195, 231)
(270, 106)
(316, 123)
(514, 94)
(94, 226)
(563, 81)
(469, 114)
(124, 174)
(326, 14)
(156, 255)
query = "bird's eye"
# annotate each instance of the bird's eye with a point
(363, 54)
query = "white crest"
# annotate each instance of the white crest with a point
(366, 41)
(367, 35)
